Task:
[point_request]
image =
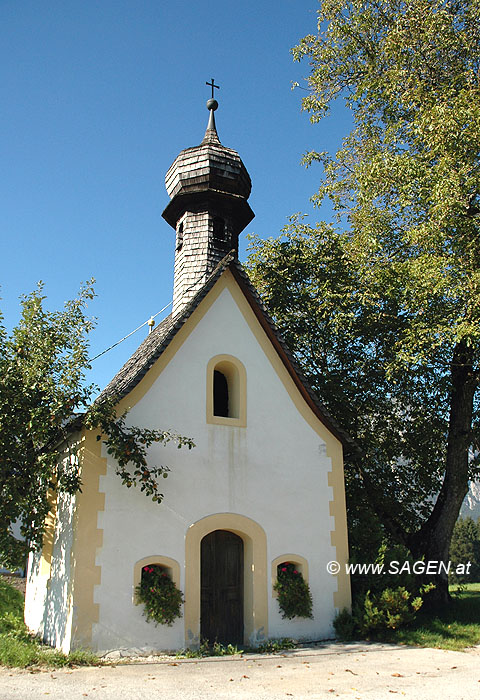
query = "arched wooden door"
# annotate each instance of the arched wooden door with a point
(221, 616)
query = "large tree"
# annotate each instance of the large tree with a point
(384, 309)
(43, 398)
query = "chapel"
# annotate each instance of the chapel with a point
(263, 487)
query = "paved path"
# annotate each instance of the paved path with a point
(364, 671)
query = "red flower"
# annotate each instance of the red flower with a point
(284, 568)
(295, 572)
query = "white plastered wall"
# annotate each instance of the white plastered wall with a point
(57, 623)
(47, 598)
(274, 471)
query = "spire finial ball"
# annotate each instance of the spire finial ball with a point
(212, 104)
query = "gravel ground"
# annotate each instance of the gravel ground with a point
(370, 671)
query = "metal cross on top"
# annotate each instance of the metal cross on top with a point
(212, 85)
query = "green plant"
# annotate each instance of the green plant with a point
(219, 649)
(391, 609)
(161, 598)
(294, 597)
(344, 626)
(195, 653)
(274, 645)
(19, 648)
(376, 614)
(207, 649)
(454, 627)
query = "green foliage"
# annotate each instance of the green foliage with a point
(464, 548)
(385, 601)
(42, 372)
(129, 445)
(294, 597)
(313, 284)
(221, 650)
(18, 648)
(383, 310)
(43, 397)
(344, 626)
(217, 649)
(374, 614)
(274, 645)
(11, 603)
(191, 653)
(387, 553)
(207, 649)
(161, 598)
(390, 609)
(455, 626)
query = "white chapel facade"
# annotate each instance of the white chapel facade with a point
(263, 485)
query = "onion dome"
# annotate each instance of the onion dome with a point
(209, 175)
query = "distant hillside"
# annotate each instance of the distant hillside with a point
(471, 504)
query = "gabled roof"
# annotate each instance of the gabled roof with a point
(158, 340)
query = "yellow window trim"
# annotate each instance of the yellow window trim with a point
(171, 564)
(300, 562)
(237, 385)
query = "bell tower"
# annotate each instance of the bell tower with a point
(208, 187)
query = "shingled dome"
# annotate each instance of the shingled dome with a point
(212, 170)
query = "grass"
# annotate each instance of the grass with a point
(456, 628)
(18, 648)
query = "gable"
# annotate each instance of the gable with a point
(225, 322)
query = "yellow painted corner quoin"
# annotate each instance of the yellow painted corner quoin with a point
(88, 539)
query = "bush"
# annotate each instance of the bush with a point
(161, 598)
(390, 609)
(294, 597)
(274, 645)
(344, 626)
(376, 613)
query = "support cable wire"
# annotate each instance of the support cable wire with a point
(128, 336)
(144, 324)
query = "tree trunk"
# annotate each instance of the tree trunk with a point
(432, 541)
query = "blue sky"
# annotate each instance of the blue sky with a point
(98, 98)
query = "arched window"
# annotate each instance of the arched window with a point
(226, 391)
(220, 394)
(179, 236)
(170, 566)
(219, 230)
(300, 563)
